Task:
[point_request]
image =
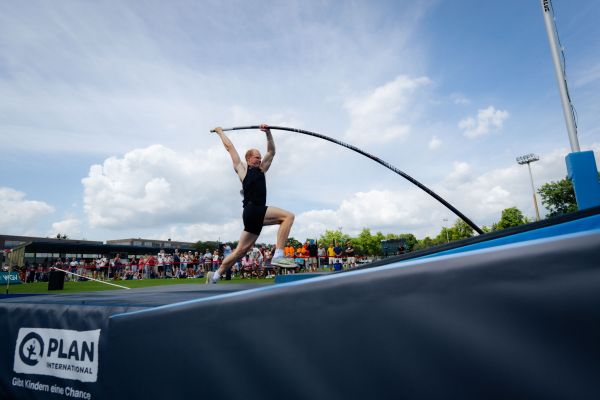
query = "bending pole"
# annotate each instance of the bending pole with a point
(376, 159)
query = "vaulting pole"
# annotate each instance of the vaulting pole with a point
(374, 158)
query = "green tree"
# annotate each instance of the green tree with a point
(558, 197)
(367, 244)
(201, 246)
(375, 249)
(444, 236)
(409, 239)
(294, 242)
(510, 217)
(461, 230)
(362, 242)
(336, 237)
(424, 243)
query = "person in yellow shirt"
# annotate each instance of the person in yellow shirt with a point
(330, 255)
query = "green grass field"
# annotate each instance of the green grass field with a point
(91, 286)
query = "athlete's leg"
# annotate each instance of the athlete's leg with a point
(283, 218)
(246, 242)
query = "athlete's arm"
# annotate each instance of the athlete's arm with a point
(268, 158)
(238, 165)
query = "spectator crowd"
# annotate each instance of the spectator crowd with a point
(308, 257)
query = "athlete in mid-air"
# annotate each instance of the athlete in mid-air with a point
(256, 212)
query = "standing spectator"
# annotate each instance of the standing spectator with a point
(160, 261)
(81, 268)
(169, 265)
(350, 256)
(176, 262)
(331, 256)
(118, 266)
(322, 254)
(312, 255)
(299, 261)
(289, 250)
(104, 267)
(207, 261)
(215, 261)
(73, 265)
(151, 266)
(270, 268)
(226, 250)
(339, 253)
(134, 267)
(142, 267)
(195, 262)
(96, 267)
(183, 265)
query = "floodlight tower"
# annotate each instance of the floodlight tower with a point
(581, 165)
(528, 159)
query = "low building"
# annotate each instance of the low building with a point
(19, 250)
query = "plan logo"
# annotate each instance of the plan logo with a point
(31, 349)
(61, 353)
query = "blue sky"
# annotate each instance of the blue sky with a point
(106, 107)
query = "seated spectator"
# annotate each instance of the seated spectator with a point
(247, 266)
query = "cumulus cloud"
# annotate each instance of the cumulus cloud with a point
(480, 197)
(19, 216)
(155, 186)
(70, 227)
(460, 173)
(379, 210)
(485, 196)
(381, 116)
(487, 120)
(434, 143)
(190, 197)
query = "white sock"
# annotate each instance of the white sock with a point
(278, 253)
(216, 276)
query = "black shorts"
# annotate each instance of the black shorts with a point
(254, 217)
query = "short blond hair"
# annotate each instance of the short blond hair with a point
(249, 153)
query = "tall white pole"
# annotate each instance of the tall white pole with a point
(537, 211)
(560, 76)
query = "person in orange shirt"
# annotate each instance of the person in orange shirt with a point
(289, 251)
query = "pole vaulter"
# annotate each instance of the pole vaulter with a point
(372, 157)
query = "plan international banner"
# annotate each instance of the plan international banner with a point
(52, 351)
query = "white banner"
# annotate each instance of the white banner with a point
(61, 353)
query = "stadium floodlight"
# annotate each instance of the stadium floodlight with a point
(528, 159)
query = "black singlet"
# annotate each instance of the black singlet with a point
(255, 199)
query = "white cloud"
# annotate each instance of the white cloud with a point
(378, 210)
(19, 216)
(381, 116)
(481, 198)
(488, 119)
(158, 186)
(70, 227)
(434, 143)
(485, 196)
(460, 173)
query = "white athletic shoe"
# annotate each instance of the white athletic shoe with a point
(283, 262)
